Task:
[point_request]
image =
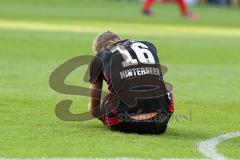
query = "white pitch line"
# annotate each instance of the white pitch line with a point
(208, 147)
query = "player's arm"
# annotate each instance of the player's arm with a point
(95, 99)
(96, 82)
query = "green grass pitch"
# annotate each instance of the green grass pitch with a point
(202, 56)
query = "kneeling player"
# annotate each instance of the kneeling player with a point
(137, 101)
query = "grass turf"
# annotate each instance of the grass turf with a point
(204, 69)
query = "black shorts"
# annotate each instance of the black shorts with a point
(149, 126)
(124, 123)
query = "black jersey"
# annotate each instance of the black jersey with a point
(133, 74)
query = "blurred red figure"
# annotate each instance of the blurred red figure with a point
(182, 6)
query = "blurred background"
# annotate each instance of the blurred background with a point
(198, 40)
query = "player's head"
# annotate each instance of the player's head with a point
(103, 40)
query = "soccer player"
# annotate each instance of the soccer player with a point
(182, 6)
(136, 102)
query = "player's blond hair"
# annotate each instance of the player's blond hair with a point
(104, 39)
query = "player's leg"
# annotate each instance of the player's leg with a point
(109, 110)
(147, 7)
(184, 10)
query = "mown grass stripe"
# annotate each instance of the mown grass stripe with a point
(120, 27)
(117, 158)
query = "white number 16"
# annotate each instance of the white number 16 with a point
(142, 51)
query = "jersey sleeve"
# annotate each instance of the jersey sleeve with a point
(96, 70)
